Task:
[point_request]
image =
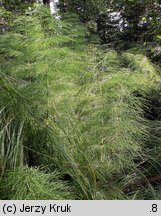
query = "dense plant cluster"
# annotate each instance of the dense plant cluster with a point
(78, 119)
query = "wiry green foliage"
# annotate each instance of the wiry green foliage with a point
(111, 127)
(39, 63)
(22, 88)
(80, 109)
(33, 184)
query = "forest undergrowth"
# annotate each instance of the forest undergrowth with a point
(77, 120)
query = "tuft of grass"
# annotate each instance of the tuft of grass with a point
(34, 184)
(106, 134)
(76, 108)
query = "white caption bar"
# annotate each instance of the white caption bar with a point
(80, 208)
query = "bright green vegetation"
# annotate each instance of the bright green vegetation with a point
(77, 120)
(33, 184)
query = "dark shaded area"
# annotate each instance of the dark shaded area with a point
(130, 23)
(46, 2)
(153, 110)
(16, 5)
